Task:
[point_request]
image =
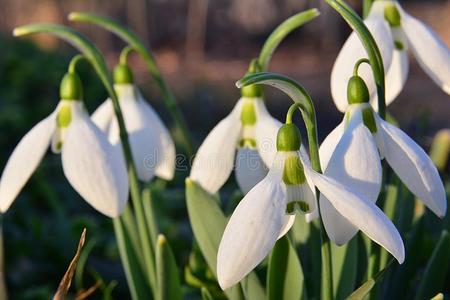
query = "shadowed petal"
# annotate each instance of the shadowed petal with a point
(24, 160)
(103, 115)
(214, 160)
(414, 167)
(329, 144)
(94, 167)
(250, 169)
(252, 230)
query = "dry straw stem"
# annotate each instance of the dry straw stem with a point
(64, 285)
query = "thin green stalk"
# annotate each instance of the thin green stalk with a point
(95, 58)
(133, 40)
(367, 4)
(281, 32)
(376, 61)
(299, 95)
(147, 200)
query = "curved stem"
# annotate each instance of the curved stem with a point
(94, 56)
(74, 61)
(133, 40)
(358, 63)
(281, 32)
(373, 52)
(291, 112)
(303, 101)
(124, 54)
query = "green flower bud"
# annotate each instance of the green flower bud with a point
(122, 74)
(252, 91)
(357, 91)
(392, 15)
(71, 87)
(289, 138)
(293, 173)
(248, 115)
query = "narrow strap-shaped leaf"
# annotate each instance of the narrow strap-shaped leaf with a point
(147, 201)
(169, 287)
(206, 295)
(208, 223)
(345, 260)
(365, 289)
(437, 268)
(285, 280)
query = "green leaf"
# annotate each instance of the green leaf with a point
(166, 272)
(285, 279)
(206, 295)
(208, 223)
(433, 278)
(344, 259)
(364, 289)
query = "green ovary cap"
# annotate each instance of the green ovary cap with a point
(123, 74)
(289, 138)
(357, 91)
(293, 173)
(253, 90)
(71, 87)
(392, 15)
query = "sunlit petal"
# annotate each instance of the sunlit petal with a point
(93, 166)
(214, 160)
(24, 160)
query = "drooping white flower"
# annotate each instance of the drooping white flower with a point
(263, 215)
(94, 168)
(395, 31)
(152, 146)
(250, 130)
(351, 155)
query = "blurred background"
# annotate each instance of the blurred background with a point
(202, 48)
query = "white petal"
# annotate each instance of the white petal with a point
(103, 115)
(414, 167)
(213, 162)
(361, 213)
(289, 221)
(430, 51)
(355, 163)
(94, 167)
(395, 77)
(329, 144)
(250, 169)
(24, 160)
(252, 230)
(352, 51)
(166, 154)
(266, 132)
(141, 135)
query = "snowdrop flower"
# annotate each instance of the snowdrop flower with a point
(250, 130)
(94, 168)
(351, 154)
(263, 215)
(395, 31)
(152, 147)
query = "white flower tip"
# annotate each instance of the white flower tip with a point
(400, 256)
(446, 88)
(225, 283)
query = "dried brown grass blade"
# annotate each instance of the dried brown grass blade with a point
(64, 285)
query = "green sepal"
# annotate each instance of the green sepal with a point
(293, 172)
(289, 138)
(392, 15)
(64, 116)
(71, 87)
(369, 119)
(123, 74)
(248, 115)
(357, 91)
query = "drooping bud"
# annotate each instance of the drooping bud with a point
(289, 138)
(253, 90)
(122, 74)
(71, 87)
(392, 15)
(357, 91)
